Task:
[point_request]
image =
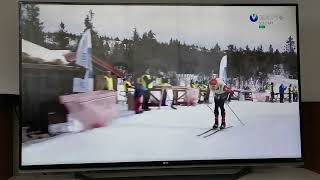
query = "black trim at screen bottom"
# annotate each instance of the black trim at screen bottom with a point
(163, 164)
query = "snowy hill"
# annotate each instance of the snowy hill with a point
(45, 54)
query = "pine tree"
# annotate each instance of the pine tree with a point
(151, 35)
(32, 28)
(144, 36)
(290, 58)
(247, 49)
(171, 42)
(87, 23)
(231, 48)
(88, 20)
(270, 49)
(203, 49)
(61, 37)
(290, 45)
(260, 49)
(97, 41)
(216, 48)
(135, 36)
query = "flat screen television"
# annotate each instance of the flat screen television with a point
(158, 85)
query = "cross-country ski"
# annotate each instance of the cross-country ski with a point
(207, 132)
(219, 130)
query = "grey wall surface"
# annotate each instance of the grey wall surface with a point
(9, 69)
(309, 19)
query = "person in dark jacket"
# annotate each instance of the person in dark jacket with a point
(139, 91)
(272, 92)
(290, 93)
(282, 89)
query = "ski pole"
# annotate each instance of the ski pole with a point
(235, 114)
(227, 101)
(209, 107)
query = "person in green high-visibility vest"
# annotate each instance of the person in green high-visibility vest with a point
(147, 84)
(161, 80)
(295, 93)
(109, 81)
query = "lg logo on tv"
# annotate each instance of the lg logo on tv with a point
(253, 18)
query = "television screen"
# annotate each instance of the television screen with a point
(158, 84)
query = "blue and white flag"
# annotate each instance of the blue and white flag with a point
(84, 59)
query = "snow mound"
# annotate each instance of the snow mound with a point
(47, 55)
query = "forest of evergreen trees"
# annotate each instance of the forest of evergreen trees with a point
(141, 51)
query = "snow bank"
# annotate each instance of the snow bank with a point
(47, 55)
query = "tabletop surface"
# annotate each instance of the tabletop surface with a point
(284, 173)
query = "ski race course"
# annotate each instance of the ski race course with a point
(271, 130)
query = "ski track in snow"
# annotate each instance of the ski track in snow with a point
(271, 130)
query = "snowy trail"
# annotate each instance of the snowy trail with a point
(271, 131)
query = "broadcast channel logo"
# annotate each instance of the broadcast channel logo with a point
(253, 18)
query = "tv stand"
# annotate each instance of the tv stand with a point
(196, 173)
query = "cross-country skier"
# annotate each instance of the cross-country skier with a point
(221, 93)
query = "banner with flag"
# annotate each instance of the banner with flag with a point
(84, 59)
(223, 68)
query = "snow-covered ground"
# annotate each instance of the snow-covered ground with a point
(271, 130)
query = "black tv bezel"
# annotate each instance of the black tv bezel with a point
(158, 164)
